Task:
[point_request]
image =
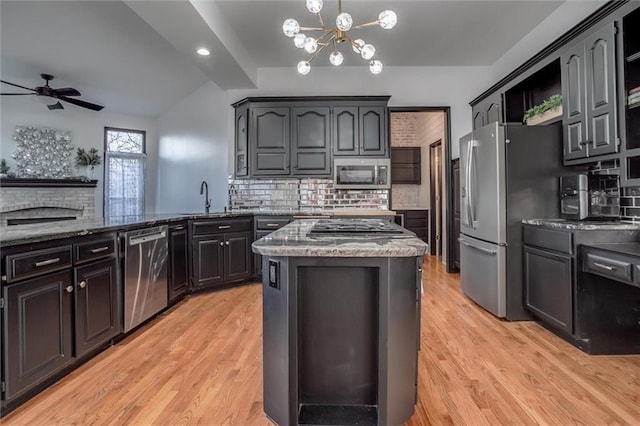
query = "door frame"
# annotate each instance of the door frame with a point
(448, 176)
(435, 225)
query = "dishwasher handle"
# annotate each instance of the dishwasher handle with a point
(141, 239)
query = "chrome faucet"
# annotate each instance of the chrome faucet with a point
(207, 202)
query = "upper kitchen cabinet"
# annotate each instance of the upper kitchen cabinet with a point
(241, 166)
(299, 136)
(310, 141)
(630, 161)
(269, 140)
(487, 111)
(589, 96)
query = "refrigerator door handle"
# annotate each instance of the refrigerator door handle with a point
(482, 249)
(468, 185)
(472, 220)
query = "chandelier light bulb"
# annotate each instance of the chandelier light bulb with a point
(336, 58)
(304, 67)
(344, 21)
(368, 51)
(314, 6)
(290, 27)
(299, 40)
(358, 45)
(375, 67)
(310, 45)
(388, 19)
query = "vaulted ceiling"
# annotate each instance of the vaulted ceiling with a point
(138, 56)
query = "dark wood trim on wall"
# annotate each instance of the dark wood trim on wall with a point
(584, 25)
(448, 177)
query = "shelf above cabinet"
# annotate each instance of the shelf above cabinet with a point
(633, 57)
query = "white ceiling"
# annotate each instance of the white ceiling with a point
(137, 56)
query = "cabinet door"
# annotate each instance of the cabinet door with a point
(237, 261)
(310, 141)
(208, 260)
(478, 118)
(242, 141)
(601, 91)
(96, 301)
(345, 131)
(574, 116)
(493, 111)
(269, 137)
(37, 335)
(178, 262)
(372, 126)
(548, 287)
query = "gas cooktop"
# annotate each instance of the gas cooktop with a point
(355, 226)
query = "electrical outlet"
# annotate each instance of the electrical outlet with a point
(274, 276)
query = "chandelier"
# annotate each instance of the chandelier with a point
(331, 36)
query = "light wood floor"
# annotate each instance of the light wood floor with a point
(200, 363)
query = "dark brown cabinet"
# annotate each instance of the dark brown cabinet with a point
(310, 141)
(630, 161)
(221, 252)
(269, 140)
(241, 141)
(416, 221)
(488, 111)
(38, 331)
(589, 96)
(360, 131)
(406, 165)
(264, 225)
(456, 212)
(96, 305)
(178, 262)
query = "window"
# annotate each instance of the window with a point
(125, 160)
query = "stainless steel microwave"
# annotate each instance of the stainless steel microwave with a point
(361, 173)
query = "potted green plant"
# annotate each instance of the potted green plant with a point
(88, 159)
(545, 112)
(4, 168)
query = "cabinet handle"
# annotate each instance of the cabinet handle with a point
(226, 242)
(82, 284)
(224, 227)
(99, 250)
(69, 289)
(272, 225)
(47, 262)
(177, 228)
(221, 243)
(603, 266)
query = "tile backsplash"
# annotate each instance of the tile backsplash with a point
(629, 197)
(300, 194)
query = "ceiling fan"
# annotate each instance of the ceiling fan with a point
(62, 94)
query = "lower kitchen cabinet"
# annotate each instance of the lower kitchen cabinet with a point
(38, 331)
(549, 286)
(178, 262)
(96, 305)
(220, 256)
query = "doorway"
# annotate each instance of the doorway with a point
(435, 189)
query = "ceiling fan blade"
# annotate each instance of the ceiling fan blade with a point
(66, 91)
(57, 105)
(17, 85)
(80, 103)
(17, 94)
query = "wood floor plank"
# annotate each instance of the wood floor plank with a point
(200, 363)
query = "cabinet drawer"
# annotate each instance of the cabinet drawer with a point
(601, 264)
(37, 262)
(94, 249)
(415, 223)
(219, 226)
(551, 239)
(271, 223)
(262, 233)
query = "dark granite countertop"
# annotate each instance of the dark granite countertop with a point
(583, 225)
(292, 240)
(631, 249)
(33, 233)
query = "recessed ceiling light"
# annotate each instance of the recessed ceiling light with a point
(203, 51)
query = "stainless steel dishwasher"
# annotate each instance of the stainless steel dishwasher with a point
(145, 274)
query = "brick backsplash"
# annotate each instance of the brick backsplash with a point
(300, 194)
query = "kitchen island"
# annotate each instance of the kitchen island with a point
(341, 322)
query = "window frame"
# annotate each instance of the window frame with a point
(121, 154)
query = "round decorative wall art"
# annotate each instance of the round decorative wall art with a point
(42, 152)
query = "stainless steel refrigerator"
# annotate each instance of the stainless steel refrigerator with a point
(507, 173)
